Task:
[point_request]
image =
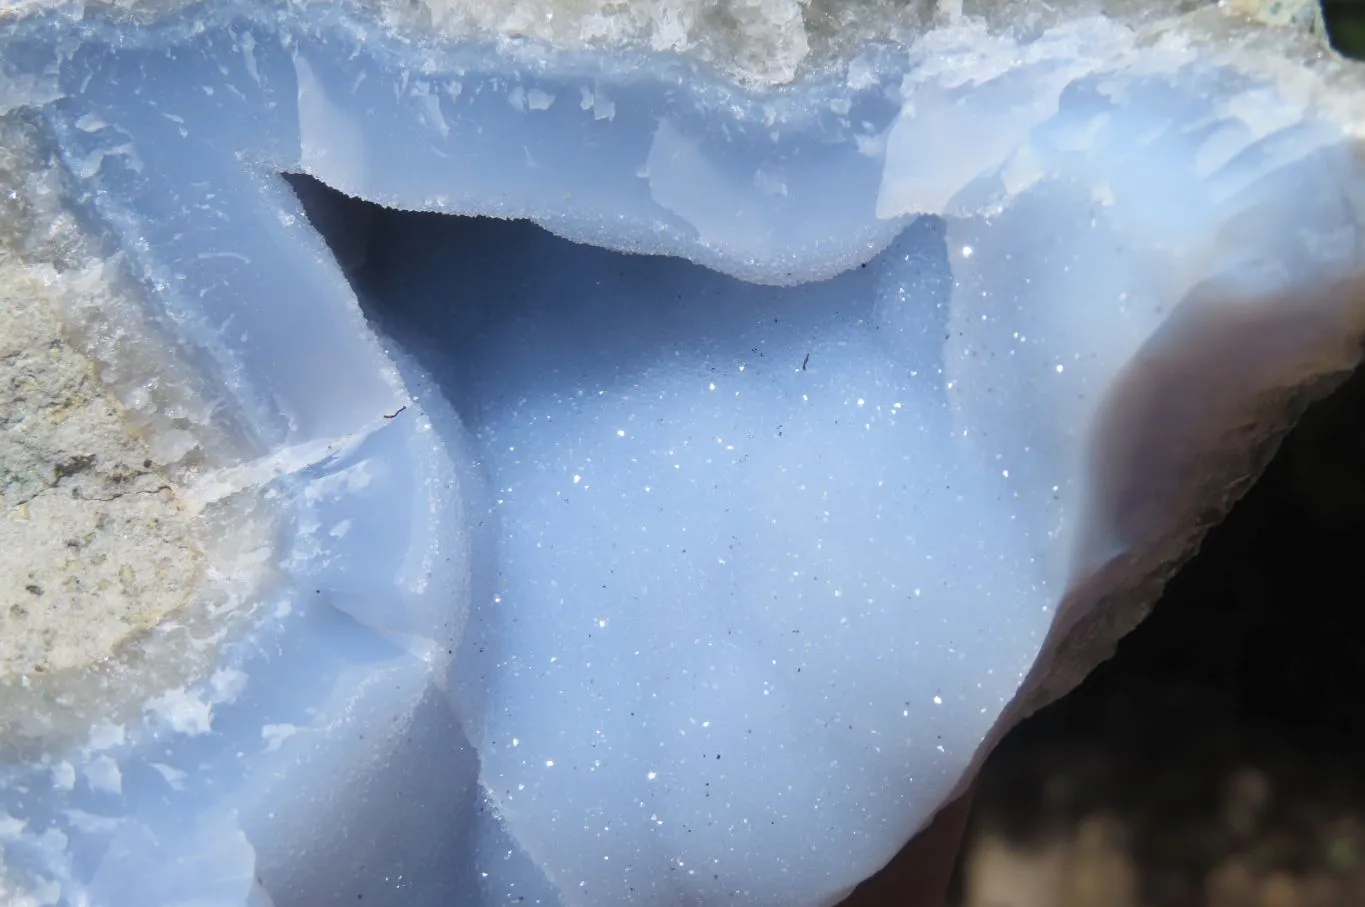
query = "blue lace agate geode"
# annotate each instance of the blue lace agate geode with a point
(684, 528)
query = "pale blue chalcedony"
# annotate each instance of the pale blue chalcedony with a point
(695, 576)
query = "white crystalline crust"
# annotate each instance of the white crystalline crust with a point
(730, 584)
(757, 41)
(760, 42)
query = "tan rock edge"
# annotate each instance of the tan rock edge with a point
(97, 547)
(114, 586)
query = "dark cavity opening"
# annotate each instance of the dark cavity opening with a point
(456, 293)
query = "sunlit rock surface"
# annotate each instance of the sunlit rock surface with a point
(682, 522)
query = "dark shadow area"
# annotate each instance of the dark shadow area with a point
(464, 296)
(1345, 21)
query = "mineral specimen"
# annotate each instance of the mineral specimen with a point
(644, 456)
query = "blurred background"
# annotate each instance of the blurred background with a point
(1346, 25)
(1218, 760)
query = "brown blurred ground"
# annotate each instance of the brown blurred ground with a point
(1219, 758)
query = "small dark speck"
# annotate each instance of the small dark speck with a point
(34, 589)
(805, 362)
(73, 465)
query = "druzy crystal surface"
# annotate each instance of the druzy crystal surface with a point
(672, 484)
